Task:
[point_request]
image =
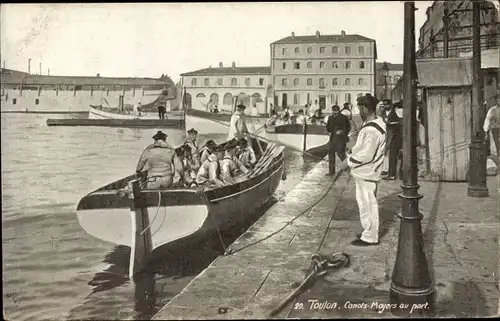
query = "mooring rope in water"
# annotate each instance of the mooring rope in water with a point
(157, 211)
(204, 197)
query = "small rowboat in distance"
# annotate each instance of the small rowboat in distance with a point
(176, 214)
(310, 138)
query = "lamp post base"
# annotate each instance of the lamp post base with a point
(477, 191)
(412, 302)
(477, 169)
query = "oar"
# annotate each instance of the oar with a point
(263, 158)
(268, 161)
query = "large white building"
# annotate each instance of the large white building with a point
(223, 84)
(322, 69)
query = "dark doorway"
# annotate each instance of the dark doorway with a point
(322, 102)
(284, 100)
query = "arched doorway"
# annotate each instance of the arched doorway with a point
(244, 99)
(214, 98)
(284, 100)
(188, 101)
(227, 100)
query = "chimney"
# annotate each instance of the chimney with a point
(29, 66)
(98, 75)
(317, 34)
(293, 34)
(220, 65)
(342, 33)
(4, 64)
(40, 69)
(234, 65)
(48, 71)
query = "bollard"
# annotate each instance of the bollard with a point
(141, 245)
(304, 128)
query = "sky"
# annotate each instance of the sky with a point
(151, 39)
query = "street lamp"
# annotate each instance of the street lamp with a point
(411, 283)
(385, 73)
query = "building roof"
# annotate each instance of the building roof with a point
(323, 38)
(444, 72)
(17, 77)
(230, 71)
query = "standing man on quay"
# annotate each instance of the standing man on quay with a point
(395, 140)
(237, 125)
(492, 124)
(366, 162)
(338, 126)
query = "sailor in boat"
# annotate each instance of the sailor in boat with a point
(338, 126)
(230, 165)
(272, 120)
(246, 154)
(209, 172)
(159, 158)
(216, 109)
(207, 150)
(237, 125)
(191, 142)
(301, 118)
(184, 174)
(189, 158)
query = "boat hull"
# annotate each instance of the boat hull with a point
(95, 113)
(177, 214)
(292, 135)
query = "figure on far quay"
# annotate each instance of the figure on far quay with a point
(339, 126)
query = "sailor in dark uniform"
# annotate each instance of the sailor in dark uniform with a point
(338, 126)
(394, 140)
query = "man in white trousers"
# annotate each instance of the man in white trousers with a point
(365, 162)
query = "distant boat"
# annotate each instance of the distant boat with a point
(100, 112)
(217, 123)
(180, 213)
(312, 138)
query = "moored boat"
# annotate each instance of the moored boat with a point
(179, 213)
(100, 112)
(309, 138)
(217, 123)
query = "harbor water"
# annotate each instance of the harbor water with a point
(54, 270)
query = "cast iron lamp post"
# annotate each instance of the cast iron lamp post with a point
(411, 283)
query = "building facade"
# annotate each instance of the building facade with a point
(322, 70)
(223, 85)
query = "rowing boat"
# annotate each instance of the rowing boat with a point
(207, 123)
(307, 138)
(179, 213)
(99, 112)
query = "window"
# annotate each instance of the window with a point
(206, 82)
(296, 65)
(296, 82)
(335, 64)
(261, 81)
(347, 65)
(359, 94)
(247, 81)
(322, 83)
(283, 51)
(200, 95)
(309, 50)
(361, 65)
(347, 97)
(234, 82)
(295, 99)
(334, 100)
(284, 66)
(361, 50)
(309, 81)
(361, 81)
(322, 50)
(193, 82)
(309, 65)
(335, 49)
(220, 82)
(348, 50)
(297, 50)
(347, 82)
(335, 82)
(322, 64)
(284, 82)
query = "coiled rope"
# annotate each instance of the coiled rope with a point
(157, 210)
